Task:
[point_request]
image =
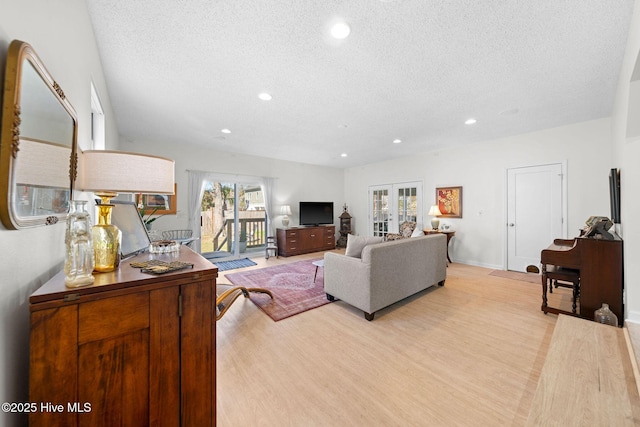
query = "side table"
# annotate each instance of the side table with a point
(318, 264)
(449, 233)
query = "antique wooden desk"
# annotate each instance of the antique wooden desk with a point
(600, 267)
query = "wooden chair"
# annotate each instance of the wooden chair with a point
(406, 230)
(554, 276)
(271, 246)
(224, 298)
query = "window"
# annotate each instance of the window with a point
(97, 121)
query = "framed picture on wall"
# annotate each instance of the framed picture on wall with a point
(449, 200)
(159, 204)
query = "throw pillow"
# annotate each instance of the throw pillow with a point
(355, 244)
(407, 228)
(418, 231)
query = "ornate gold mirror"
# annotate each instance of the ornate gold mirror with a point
(38, 156)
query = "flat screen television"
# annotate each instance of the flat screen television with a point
(614, 195)
(316, 213)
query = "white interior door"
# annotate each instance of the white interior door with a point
(534, 213)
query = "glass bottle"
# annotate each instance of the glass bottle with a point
(107, 239)
(606, 316)
(78, 263)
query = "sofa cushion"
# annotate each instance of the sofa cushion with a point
(355, 244)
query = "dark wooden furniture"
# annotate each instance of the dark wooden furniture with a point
(562, 277)
(138, 348)
(302, 240)
(448, 233)
(599, 263)
(345, 228)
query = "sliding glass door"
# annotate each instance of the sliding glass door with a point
(233, 220)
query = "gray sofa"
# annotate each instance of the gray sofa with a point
(386, 273)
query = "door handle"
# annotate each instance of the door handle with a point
(511, 224)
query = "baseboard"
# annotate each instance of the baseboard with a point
(634, 316)
(480, 264)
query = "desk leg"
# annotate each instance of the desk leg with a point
(544, 288)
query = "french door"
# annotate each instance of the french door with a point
(392, 204)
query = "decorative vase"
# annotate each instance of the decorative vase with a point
(606, 316)
(79, 258)
(106, 241)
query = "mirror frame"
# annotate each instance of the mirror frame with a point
(17, 56)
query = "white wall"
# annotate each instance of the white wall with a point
(626, 154)
(481, 170)
(294, 182)
(61, 34)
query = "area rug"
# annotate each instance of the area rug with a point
(236, 263)
(294, 290)
(516, 275)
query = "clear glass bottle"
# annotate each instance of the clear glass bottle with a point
(606, 316)
(79, 261)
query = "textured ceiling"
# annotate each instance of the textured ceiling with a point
(182, 70)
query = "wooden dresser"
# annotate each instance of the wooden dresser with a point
(302, 240)
(134, 349)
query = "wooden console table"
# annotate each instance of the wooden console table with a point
(138, 348)
(449, 233)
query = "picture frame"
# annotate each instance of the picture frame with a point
(165, 203)
(449, 201)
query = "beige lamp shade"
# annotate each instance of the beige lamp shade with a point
(434, 211)
(122, 172)
(285, 210)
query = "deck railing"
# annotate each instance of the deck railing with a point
(252, 228)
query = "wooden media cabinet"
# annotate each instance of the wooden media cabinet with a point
(303, 240)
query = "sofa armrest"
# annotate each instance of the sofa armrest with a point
(347, 278)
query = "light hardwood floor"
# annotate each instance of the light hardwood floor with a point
(465, 354)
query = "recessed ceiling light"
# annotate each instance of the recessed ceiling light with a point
(470, 121)
(340, 30)
(343, 155)
(225, 130)
(265, 96)
(397, 141)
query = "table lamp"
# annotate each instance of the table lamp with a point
(435, 211)
(286, 211)
(107, 173)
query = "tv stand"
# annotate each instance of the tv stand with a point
(306, 239)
